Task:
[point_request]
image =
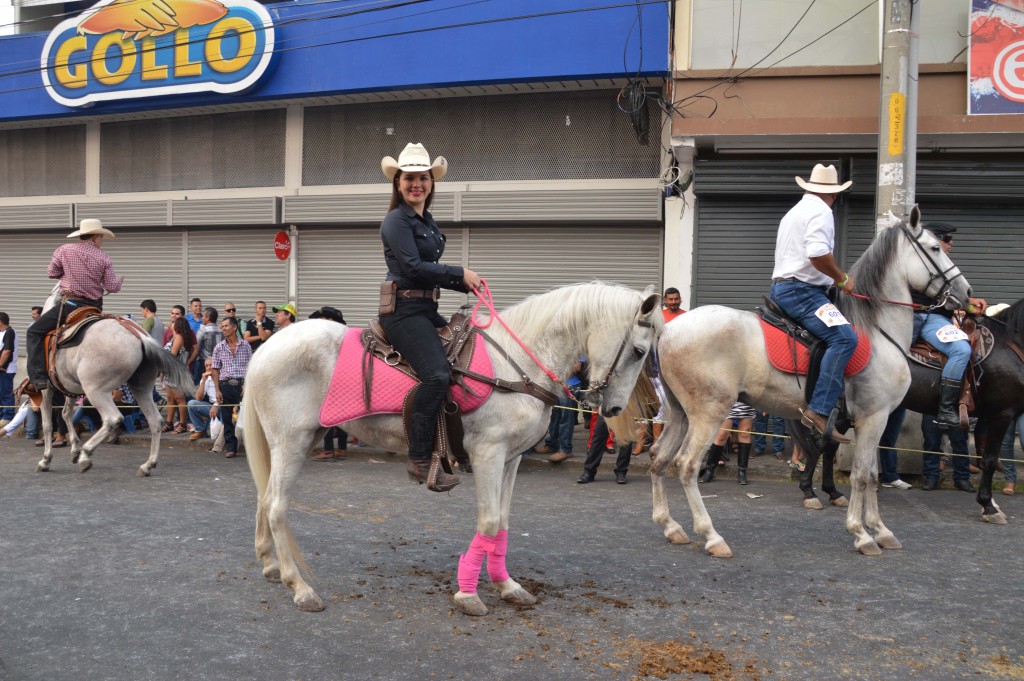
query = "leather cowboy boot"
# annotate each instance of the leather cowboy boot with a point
(419, 471)
(949, 395)
(816, 421)
(742, 459)
(714, 453)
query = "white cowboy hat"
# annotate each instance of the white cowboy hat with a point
(414, 158)
(91, 226)
(824, 180)
(993, 310)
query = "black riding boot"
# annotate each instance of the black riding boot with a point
(714, 454)
(949, 395)
(742, 459)
(421, 429)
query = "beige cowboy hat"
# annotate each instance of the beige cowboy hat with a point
(824, 180)
(414, 158)
(993, 310)
(90, 227)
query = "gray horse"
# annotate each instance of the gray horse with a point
(714, 355)
(108, 356)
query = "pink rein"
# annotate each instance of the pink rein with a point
(484, 295)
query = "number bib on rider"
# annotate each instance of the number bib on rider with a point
(950, 334)
(830, 315)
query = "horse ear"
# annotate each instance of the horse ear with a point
(915, 221)
(651, 301)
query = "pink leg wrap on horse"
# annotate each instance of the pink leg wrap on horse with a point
(496, 558)
(472, 560)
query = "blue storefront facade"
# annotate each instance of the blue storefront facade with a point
(200, 134)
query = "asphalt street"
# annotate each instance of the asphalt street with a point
(111, 576)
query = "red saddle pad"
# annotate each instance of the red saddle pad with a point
(780, 351)
(344, 399)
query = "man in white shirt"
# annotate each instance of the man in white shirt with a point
(804, 271)
(204, 405)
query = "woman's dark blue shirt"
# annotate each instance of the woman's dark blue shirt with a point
(413, 245)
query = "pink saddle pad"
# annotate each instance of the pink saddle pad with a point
(344, 399)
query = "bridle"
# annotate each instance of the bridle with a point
(935, 271)
(601, 385)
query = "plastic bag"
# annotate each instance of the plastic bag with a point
(216, 428)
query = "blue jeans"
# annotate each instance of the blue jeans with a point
(777, 429)
(199, 415)
(1006, 452)
(33, 425)
(933, 442)
(7, 407)
(887, 455)
(562, 423)
(800, 300)
(959, 352)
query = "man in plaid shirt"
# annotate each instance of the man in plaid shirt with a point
(85, 273)
(228, 364)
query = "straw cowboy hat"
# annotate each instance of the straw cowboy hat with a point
(90, 227)
(993, 310)
(414, 158)
(824, 180)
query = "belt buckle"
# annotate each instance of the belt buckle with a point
(435, 294)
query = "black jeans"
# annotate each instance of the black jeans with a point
(232, 395)
(596, 451)
(412, 329)
(48, 321)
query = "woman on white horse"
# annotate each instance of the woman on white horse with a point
(413, 245)
(85, 273)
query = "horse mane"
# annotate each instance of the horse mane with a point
(574, 308)
(869, 276)
(1013, 318)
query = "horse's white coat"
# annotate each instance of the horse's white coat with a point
(108, 356)
(288, 379)
(714, 355)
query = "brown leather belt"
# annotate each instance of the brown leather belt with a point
(433, 294)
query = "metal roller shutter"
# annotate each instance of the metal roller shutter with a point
(343, 267)
(736, 249)
(236, 265)
(23, 276)
(989, 246)
(151, 263)
(520, 261)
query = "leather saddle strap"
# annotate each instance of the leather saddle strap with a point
(1016, 349)
(525, 386)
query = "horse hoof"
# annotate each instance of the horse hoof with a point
(514, 593)
(869, 548)
(719, 550)
(841, 502)
(994, 518)
(309, 603)
(888, 541)
(41, 467)
(813, 504)
(85, 465)
(142, 472)
(75, 456)
(678, 538)
(273, 574)
(470, 604)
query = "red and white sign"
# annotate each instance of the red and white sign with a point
(996, 57)
(282, 245)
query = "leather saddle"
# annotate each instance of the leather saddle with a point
(774, 315)
(458, 341)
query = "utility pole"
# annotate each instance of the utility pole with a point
(897, 115)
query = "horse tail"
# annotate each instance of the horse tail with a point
(676, 426)
(175, 373)
(641, 406)
(257, 454)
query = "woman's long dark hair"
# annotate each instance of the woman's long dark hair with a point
(396, 196)
(188, 337)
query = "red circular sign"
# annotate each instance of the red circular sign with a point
(1008, 72)
(282, 245)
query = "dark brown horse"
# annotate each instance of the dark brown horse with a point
(999, 401)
